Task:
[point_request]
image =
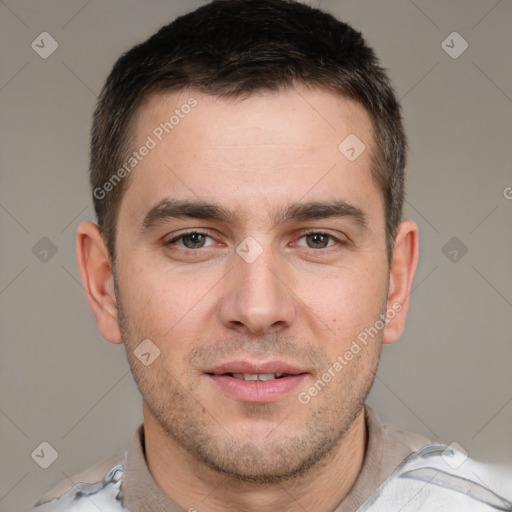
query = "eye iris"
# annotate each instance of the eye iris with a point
(318, 240)
(196, 239)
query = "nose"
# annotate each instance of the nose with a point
(256, 298)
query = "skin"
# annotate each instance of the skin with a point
(205, 306)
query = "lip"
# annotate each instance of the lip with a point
(256, 368)
(256, 391)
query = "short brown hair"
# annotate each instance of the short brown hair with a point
(233, 48)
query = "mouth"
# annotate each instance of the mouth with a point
(264, 377)
(256, 382)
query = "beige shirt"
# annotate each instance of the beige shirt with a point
(387, 447)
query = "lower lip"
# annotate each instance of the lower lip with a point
(258, 391)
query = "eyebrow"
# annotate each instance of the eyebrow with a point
(167, 209)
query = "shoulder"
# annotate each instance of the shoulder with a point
(440, 477)
(416, 474)
(97, 487)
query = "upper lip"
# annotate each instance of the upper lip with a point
(256, 368)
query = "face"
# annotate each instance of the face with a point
(252, 253)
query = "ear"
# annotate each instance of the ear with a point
(98, 280)
(403, 266)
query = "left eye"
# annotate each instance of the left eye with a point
(318, 240)
(194, 240)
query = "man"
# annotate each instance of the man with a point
(247, 169)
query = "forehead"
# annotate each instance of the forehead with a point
(251, 151)
(324, 117)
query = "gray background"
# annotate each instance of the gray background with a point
(449, 377)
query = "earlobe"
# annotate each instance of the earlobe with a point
(95, 270)
(402, 268)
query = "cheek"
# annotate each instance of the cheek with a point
(347, 300)
(162, 300)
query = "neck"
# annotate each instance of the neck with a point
(192, 485)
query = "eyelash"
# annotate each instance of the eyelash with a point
(323, 250)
